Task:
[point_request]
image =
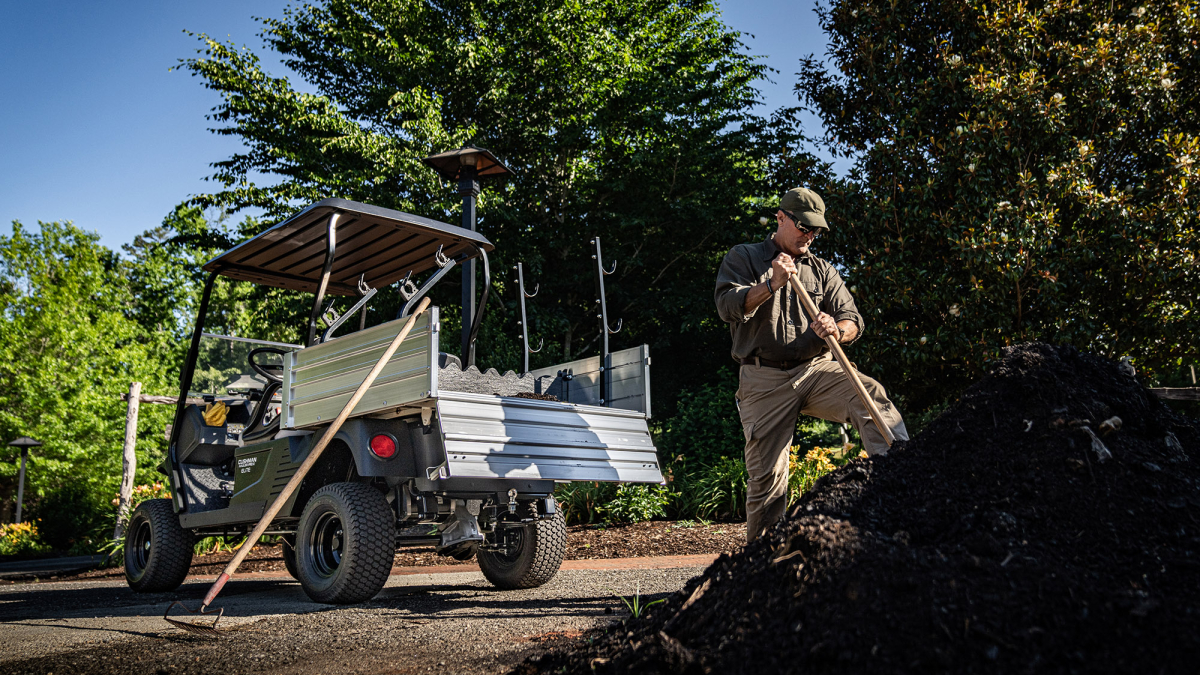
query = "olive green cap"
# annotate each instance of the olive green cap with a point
(807, 205)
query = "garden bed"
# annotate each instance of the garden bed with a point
(584, 542)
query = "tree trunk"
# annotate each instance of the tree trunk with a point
(128, 460)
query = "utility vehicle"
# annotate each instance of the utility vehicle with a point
(435, 454)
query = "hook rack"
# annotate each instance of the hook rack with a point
(524, 322)
(605, 330)
(407, 287)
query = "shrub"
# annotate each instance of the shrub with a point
(581, 502)
(70, 517)
(812, 432)
(634, 503)
(707, 426)
(21, 539)
(720, 489)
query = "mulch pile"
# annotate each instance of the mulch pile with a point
(997, 541)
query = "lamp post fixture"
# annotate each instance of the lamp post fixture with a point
(24, 443)
(468, 165)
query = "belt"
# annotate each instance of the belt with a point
(782, 365)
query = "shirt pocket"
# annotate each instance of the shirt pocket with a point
(815, 291)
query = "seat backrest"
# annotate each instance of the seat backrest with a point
(200, 443)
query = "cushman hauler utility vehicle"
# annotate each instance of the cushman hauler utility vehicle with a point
(433, 454)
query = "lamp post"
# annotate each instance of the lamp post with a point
(468, 165)
(24, 443)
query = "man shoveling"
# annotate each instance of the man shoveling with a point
(786, 365)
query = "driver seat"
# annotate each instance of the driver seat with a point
(255, 428)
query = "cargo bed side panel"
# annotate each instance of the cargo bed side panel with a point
(319, 380)
(501, 437)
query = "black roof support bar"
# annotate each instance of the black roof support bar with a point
(330, 249)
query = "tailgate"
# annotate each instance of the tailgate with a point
(502, 437)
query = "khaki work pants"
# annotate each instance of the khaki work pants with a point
(769, 400)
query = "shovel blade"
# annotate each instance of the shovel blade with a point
(195, 627)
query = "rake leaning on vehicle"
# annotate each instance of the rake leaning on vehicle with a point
(433, 454)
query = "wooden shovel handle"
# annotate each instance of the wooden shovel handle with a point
(313, 455)
(836, 348)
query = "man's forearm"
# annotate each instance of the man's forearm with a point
(756, 296)
(849, 331)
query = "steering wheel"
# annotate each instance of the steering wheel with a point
(272, 372)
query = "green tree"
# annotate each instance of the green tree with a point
(1023, 171)
(68, 348)
(627, 120)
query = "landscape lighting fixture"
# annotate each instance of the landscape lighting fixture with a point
(24, 443)
(468, 165)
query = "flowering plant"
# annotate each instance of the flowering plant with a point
(20, 539)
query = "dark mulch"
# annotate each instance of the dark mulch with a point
(996, 542)
(584, 542)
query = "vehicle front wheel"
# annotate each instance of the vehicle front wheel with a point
(158, 552)
(345, 544)
(535, 552)
(288, 546)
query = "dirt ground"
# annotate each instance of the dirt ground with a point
(584, 542)
(1023, 531)
(436, 614)
(449, 622)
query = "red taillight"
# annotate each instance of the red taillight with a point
(383, 446)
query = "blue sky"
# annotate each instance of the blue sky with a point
(97, 130)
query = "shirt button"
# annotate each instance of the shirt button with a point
(790, 322)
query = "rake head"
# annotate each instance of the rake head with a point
(198, 628)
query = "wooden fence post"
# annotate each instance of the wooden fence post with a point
(128, 460)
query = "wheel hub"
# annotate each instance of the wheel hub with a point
(326, 544)
(142, 545)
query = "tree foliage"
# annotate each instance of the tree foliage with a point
(1024, 171)
(69, 346)
(627, 120)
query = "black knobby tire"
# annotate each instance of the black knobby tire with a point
(345, 544)
(536, 560)
(158, 552)
(288, 545)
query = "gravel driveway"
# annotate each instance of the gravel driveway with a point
(449, 622)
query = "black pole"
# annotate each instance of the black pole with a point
(468, 187)
(605, 358)
(478, 320)
(330, 251)
(21, 483)
(185, 383)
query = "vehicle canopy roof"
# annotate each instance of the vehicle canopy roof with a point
(380, 244)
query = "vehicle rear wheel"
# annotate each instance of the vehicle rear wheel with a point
(158, 552)
(535, 553)
(345, 544)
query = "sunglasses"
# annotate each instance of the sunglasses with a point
(814, 231)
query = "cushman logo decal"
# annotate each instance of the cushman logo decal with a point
(246, 464)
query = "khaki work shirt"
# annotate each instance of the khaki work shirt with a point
(777, 330)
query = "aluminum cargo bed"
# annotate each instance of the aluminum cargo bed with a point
(482, 435)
